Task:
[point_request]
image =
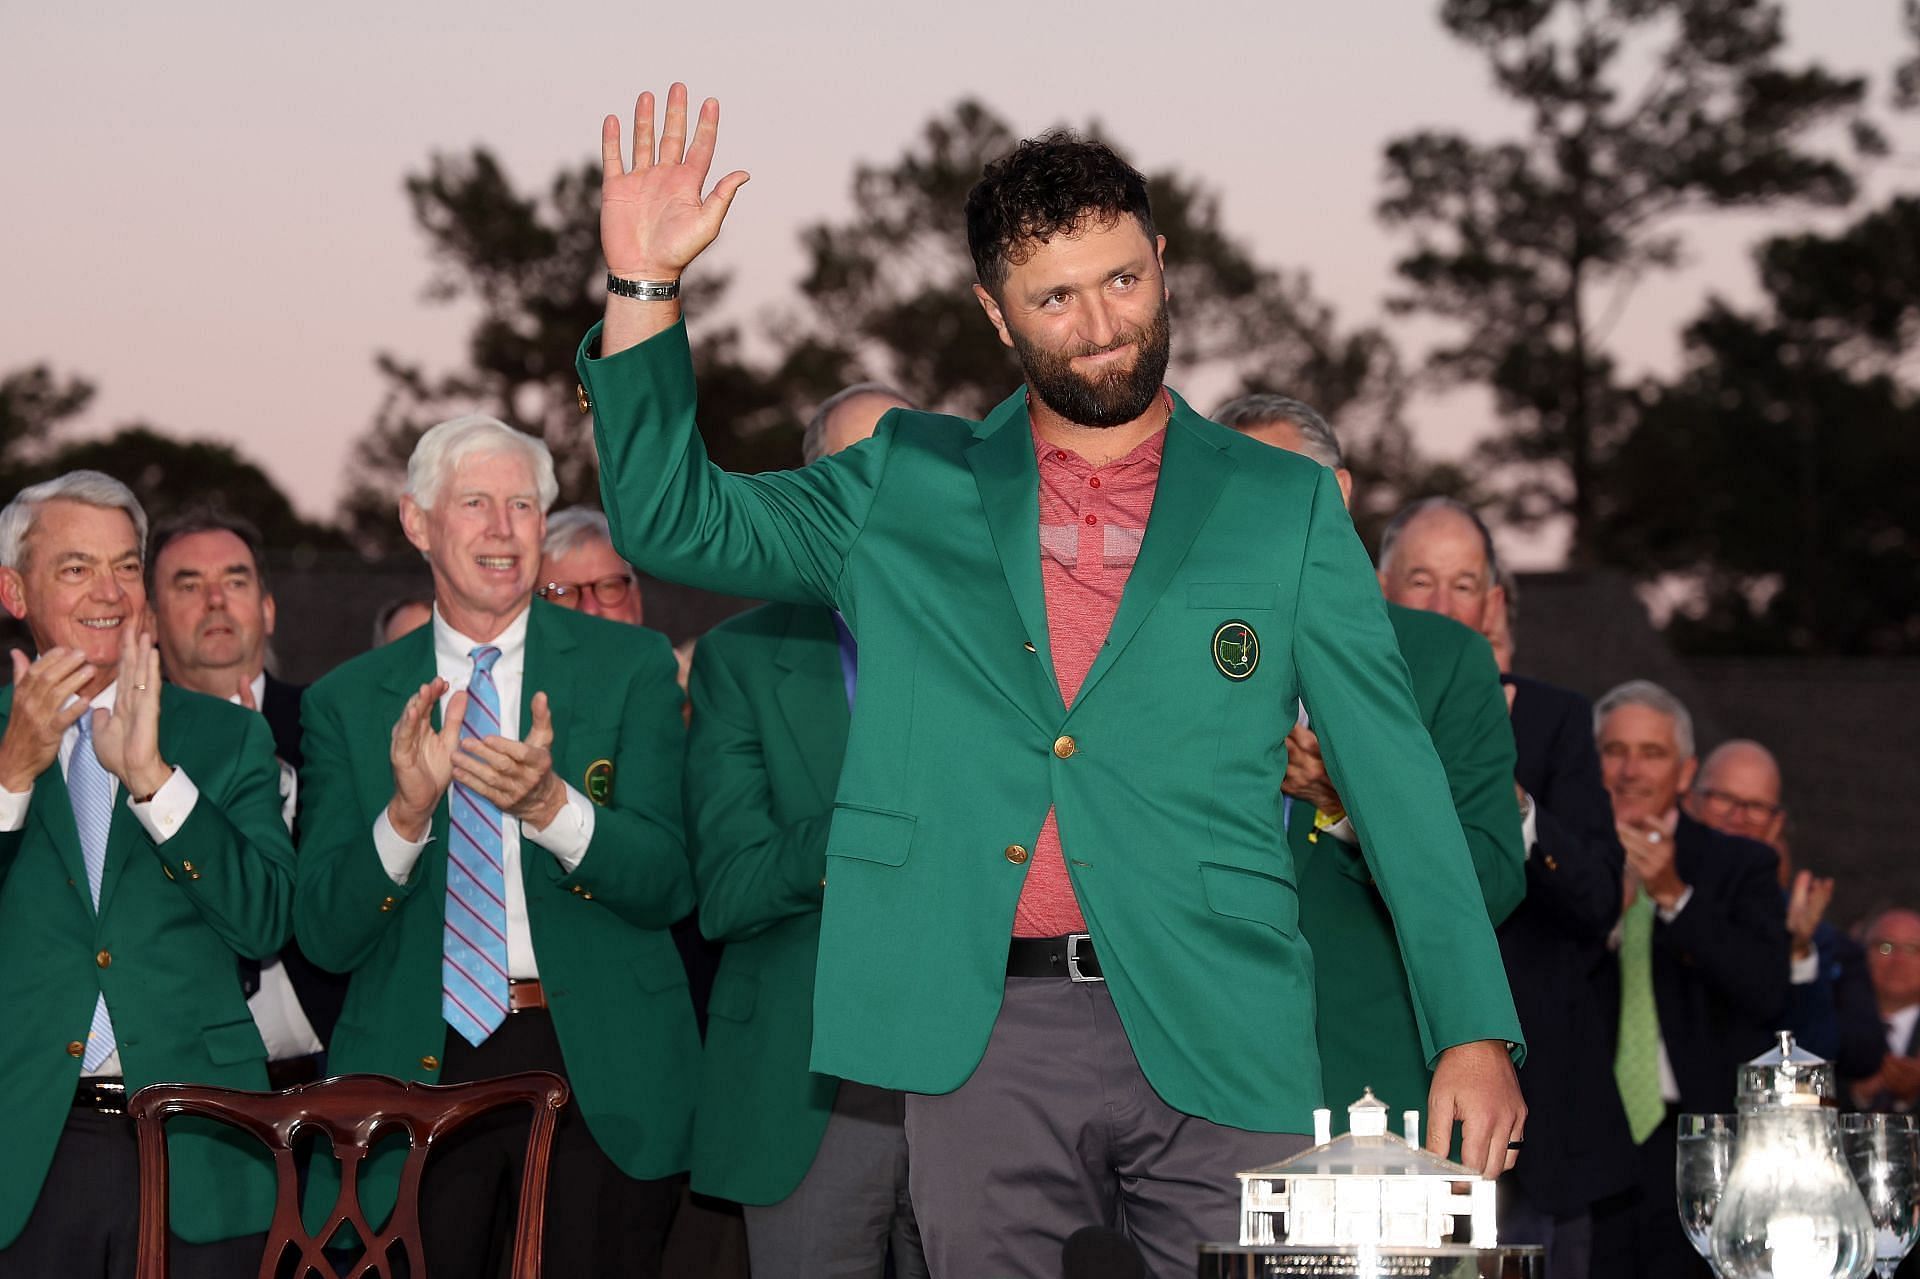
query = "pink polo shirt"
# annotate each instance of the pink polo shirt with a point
(1092, 519)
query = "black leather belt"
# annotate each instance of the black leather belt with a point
(105, 1094)
(1070, 956)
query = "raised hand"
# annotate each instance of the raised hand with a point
(422, 758)
(653, 218)
(127, 739)
(1806, 907)
(45, 705)
(517, 776)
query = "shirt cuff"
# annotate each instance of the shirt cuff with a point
(1343, 831)
(168, 810)
(1807, 971)
(397, 853)
(1529, 824)
(1668, 915)
(13, 809)
(569, 833)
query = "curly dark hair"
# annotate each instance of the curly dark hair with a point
(1047, 186)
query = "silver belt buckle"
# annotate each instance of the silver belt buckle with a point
(1073, 957)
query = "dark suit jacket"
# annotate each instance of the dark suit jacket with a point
(321, 993)
(1554, 944)
(1720, 968)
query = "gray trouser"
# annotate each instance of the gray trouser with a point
(851, 1208)
(1057, 1129)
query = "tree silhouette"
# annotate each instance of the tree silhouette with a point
(1639, 111)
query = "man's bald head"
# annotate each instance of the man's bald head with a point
(1738, 792)
(1437, 555)
(847, 417)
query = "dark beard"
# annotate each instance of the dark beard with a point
(1111, 399)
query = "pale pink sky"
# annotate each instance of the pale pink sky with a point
(203, 202)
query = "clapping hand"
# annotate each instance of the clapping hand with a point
(422, 758)
(517, 776)
(127, 738)
(1806, 907)
(46, 703)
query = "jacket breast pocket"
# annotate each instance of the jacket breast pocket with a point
(870, 834)
(1241, 893)
(1248, 596)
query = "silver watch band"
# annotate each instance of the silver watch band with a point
(644, 290)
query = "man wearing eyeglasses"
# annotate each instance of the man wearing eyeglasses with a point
(1893, 960)
(579, 568)
(1832, 1008)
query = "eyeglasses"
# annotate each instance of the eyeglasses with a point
(610, 591)
(1909, 949)
(1754, 810)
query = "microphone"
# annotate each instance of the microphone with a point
(1098, 1252)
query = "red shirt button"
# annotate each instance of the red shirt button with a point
(1059, 455)
(1093, 519)
(1093, 481)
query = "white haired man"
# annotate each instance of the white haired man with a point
(580, 569)
(142, 852)
(500, 883)
(1700, 977)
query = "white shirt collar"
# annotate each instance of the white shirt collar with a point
(451, 647)
(259, 690)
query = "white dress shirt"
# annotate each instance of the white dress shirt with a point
(566, 837)
(1900, 1029)
(161, 816)
(275, 1006)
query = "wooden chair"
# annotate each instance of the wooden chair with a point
(353, 1111)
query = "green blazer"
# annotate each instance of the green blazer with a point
(615, 986)
(763, 757)
(1368, 1026)
(172, 918)
(1251, 590)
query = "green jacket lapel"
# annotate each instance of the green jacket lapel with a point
(1193, 470)
(51, 809)
(812, 694)
(1003, 464)
(548, 669)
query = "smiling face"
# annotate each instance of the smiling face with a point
(210, 612)
(587, 571)
(482, 538)
(80, 586)
(1641, 762)
(1086, 314)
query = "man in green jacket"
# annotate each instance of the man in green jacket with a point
(1368, 1028)
(819, 1163)
(142, 854)
(1059, 912)
(500, 883)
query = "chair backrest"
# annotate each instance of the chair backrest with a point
(353, 1111)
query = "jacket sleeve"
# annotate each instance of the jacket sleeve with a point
(232, 856)
(751, 871)
(1472, 732)
(783, 535)
(636, 863)
(344, 900)
(1576, 866)
(1733, 933)
(1383, 764)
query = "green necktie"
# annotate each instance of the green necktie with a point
(1636, 1062)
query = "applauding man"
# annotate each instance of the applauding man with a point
(1054, 879)
(491, 846)
(141, 854)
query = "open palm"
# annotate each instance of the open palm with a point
(653, 218)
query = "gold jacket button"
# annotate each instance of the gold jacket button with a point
(586, 401)
(578, 890)
(1016, 854)
(1029, 647)
(164, 870)
(187, 866)
(430, 1062)
(104, 959)
(76, 1048)
(1063, 747)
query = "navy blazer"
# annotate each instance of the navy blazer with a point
(1720, 969)
(1554, 944)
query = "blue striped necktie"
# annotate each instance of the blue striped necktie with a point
(90, 790)
(473, 965)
